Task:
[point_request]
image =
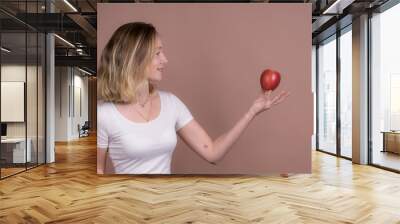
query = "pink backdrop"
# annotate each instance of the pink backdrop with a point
(216, 53)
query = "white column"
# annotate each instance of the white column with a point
(50, 109)
(360, 90)
(50, 92)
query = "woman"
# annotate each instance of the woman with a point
(137, 124)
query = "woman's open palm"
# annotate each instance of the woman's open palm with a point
(266, 101)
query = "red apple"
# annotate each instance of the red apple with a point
(270, 79)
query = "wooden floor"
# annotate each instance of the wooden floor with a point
(70, 191)
(10, 171)
(387, 159)
(5, 172)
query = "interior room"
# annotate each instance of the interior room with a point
(49, 100)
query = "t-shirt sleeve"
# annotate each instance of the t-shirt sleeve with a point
(183, 115)
(102, 133)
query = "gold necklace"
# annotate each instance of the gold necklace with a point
(146, 119)
(142, 105)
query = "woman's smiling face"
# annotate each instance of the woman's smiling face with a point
(158, 63)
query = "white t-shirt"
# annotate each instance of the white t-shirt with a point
(141, 148)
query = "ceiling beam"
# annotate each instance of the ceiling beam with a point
(83, 61)
(84, 24)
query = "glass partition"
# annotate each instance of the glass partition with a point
(327, 95)
(41, 85)
(346, 93)
(13, 95)
(385, 89)
(22, 64)
(31, 100)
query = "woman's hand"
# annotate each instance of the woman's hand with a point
(266, 101)
(214, 150)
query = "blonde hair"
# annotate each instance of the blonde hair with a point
(123, 63)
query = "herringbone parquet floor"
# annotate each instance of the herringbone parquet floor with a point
(70, 191)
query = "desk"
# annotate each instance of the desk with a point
(391, 141)
(13, 150)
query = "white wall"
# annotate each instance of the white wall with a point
(70, 84)
(12, 101)
(62, 81)
(12, 73)
(80, 98)
(33, 127)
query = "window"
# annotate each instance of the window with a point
(385, 88)
(327, 95)
(346, 93)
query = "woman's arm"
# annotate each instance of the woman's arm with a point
(101, 160)
(198, 139)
